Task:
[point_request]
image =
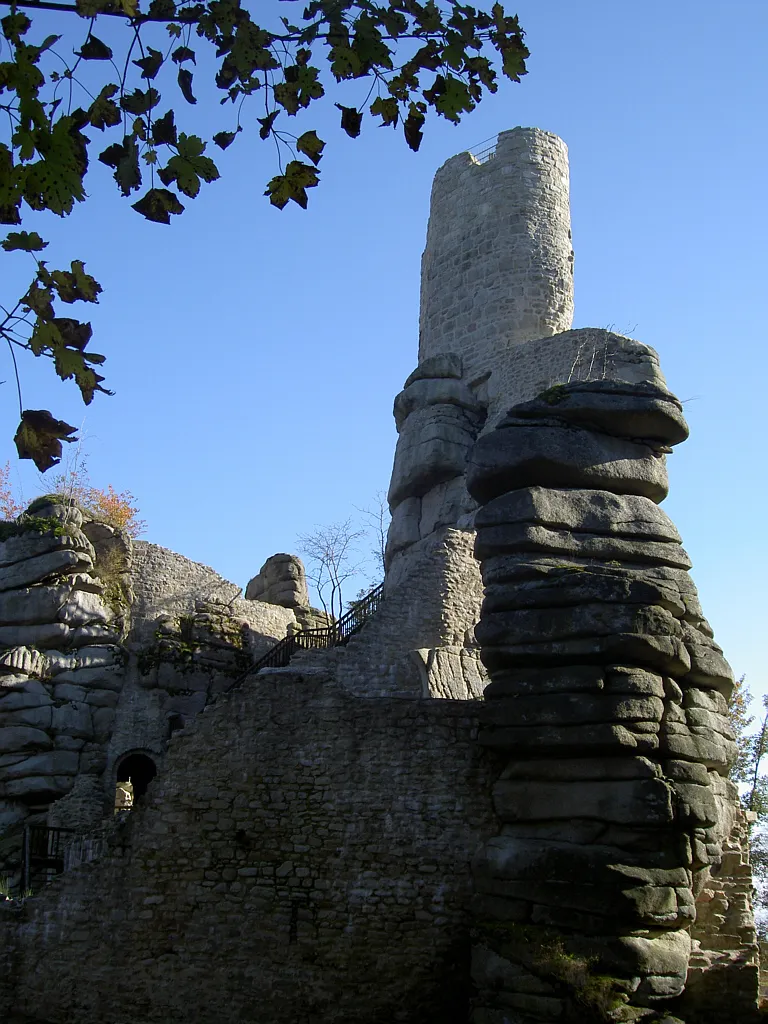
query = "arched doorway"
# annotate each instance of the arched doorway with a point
(135, 771)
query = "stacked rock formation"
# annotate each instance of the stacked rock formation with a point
(607, 701)
(438, 418)
(60, 660)
(281, 580)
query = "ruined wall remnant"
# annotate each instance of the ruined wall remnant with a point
(608, 699)
(165, 583)
(303, 857)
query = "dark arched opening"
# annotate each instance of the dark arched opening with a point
(139, 770)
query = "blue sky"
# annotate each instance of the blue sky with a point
(255, 354)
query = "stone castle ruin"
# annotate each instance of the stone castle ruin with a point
(505, 800)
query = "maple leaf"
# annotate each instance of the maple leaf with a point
(39, 436)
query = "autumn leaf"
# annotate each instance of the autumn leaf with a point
(75, 285)
(158, 205)
(225, 139)
(387, 109)
(185, 84)
(310, 145)
(39, 436)
(140, 101)
(151, 64)
(29, 241)
(104, 112)
(94, 49)
(298, 177)
(412, 127)
(351, 119)
(189, 166)
(164, 130)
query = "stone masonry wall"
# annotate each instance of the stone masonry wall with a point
(164, 582)
(302, 857)
(434, 605)
(497, 268)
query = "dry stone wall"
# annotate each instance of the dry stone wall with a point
(165, 583)
(303, 858)
(724, 969)
(430, 610)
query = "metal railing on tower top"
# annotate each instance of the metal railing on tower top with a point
(484, 151)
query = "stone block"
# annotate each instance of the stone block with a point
(440, 365)
(108, 676)
(560, 709)
(39, 788)
(567, 740)
(102, 698)
(52, 762)
(38, 718)
(48, 634)
(420, 394)
(532, 681)
(589, 621)
(73, 720)
(594, 512)
(432, 447)
(103, 720)
(39, 569)
(548, 454)
(510, 538)
(282, 581)
(69, 692)
(97, 657)
(665, 654)
(33, 544)
(581, 584)
(577, 769)
(32, 604)
(84, 608)
(618, 801)
(23, 737)
(642, 410)
(404, 527)
(29, 694)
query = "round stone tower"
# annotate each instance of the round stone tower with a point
(497, 269)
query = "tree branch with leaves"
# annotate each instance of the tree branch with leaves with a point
(398, 61)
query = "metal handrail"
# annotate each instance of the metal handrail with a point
(42, 848)
(485, 150)
(335, 635)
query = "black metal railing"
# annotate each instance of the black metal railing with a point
(335, 635)
(42, 854)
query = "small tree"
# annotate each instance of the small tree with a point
(330, 554)
(10, 508)
(115, 508)
(746, 771)
(379, 519)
